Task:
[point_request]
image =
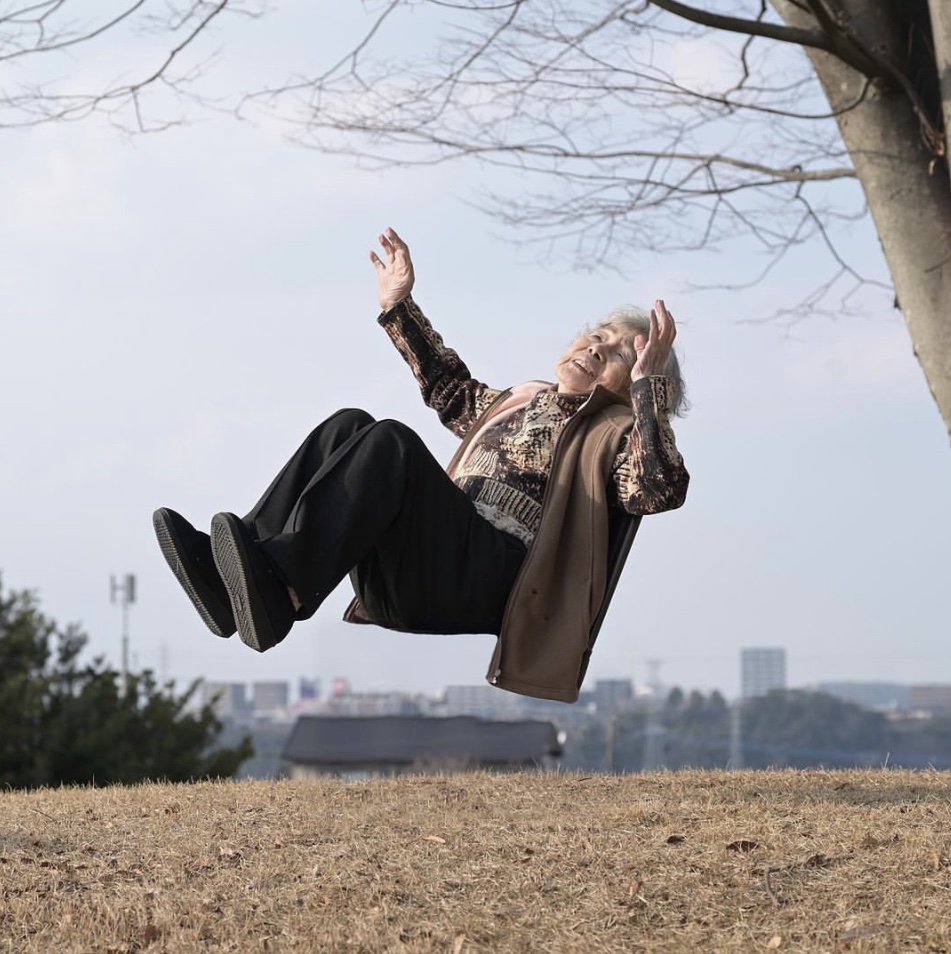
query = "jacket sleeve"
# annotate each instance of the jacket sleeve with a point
(443, 378)
(649, 474)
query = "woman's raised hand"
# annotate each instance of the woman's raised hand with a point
(394, 277)
(653, 350)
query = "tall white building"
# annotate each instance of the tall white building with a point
(761, 669)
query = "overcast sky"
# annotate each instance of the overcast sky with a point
(180, 309)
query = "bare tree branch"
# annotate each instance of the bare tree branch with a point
(66, 41)
(773, 31)
(591, 101)
(46, 32)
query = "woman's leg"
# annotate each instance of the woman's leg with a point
(381, 506)
(270, 514)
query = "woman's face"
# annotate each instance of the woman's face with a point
(603, 356)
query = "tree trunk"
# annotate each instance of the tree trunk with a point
(941, 28)
(908, 193)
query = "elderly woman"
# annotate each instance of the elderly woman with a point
(512, 540)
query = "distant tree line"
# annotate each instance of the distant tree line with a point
(786, 728)
(63, 721)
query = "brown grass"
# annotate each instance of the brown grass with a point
(672, 862)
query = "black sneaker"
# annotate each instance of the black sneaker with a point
(259, 599)
(187, 552)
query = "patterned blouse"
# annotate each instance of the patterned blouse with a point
(507, 469)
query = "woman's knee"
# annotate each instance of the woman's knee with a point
(341, 425)
(389, 436)
(389, 429)
(351, 417)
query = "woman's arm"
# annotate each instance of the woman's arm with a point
(444, 380)
(649, 474)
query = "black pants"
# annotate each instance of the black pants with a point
(367, 498)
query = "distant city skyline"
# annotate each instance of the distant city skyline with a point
(276, 697)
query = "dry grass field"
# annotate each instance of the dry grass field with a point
(671, 862)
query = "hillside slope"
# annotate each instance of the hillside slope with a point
(672, 862)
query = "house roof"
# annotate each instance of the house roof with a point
(339, 740)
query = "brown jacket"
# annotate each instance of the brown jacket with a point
(559, 597)
(561, 593)
(554, 609)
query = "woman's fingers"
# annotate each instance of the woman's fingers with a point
(394, 269)
(394, 246)
(390, 247)
(667, 329)
(391, 241)
(654, 348)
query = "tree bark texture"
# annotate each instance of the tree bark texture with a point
(906, 181)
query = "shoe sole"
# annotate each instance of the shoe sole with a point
(232, 559)
(216, 616)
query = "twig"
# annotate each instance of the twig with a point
(774, 897)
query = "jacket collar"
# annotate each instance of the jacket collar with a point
(602, 397)
(599, 398)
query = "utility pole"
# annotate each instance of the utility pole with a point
(736, 735)
(123, 593)
(654, 731)
(610, 744)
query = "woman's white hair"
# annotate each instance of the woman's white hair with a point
(639, 322)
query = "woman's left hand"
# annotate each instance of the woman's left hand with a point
(654, 349)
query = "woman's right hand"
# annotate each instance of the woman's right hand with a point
(394, 277)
